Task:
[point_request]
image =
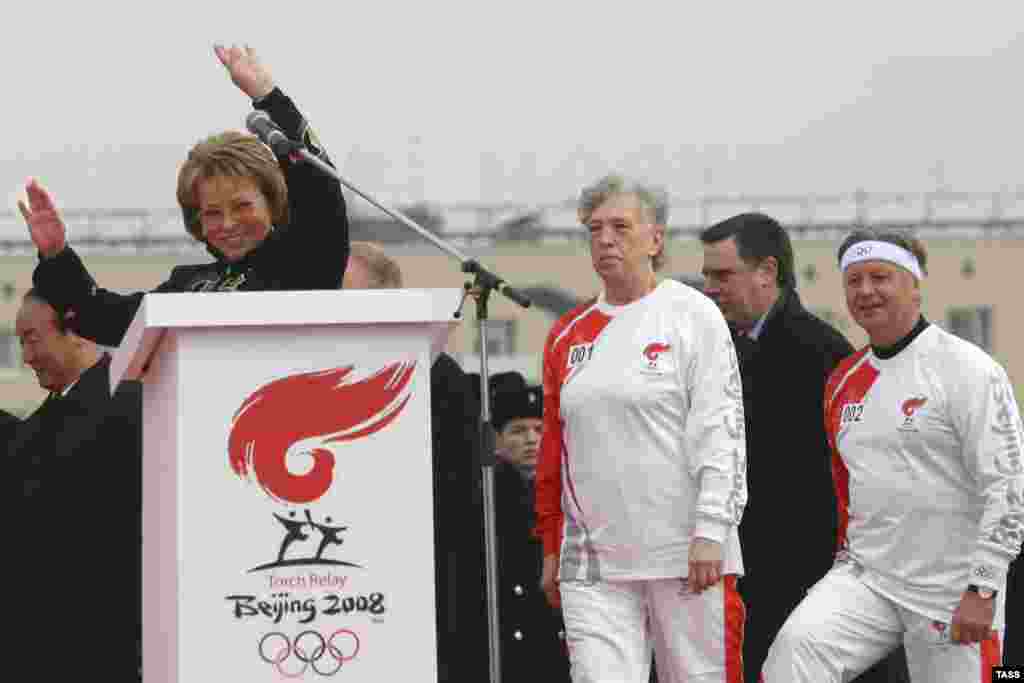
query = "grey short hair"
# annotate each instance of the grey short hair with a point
(653, 200)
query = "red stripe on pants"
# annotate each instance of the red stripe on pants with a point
(991, 656)
(735, 618)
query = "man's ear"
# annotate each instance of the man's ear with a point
(770, 264)
(69, 321)
(659, 239)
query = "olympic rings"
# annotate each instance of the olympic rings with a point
(324, 646)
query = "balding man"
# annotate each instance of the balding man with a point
(370, 267)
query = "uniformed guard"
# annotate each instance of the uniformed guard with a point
(533, 646)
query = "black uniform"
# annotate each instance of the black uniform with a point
(533, 648)
(532, 633)
(311, 252)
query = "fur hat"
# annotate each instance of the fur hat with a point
(512, 398)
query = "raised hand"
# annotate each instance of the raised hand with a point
(245, 69)
(44, 222)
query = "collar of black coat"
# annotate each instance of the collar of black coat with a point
(782, 303)
(785, 303)
(95, 379)
(246, 262)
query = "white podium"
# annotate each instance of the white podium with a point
(287, 503)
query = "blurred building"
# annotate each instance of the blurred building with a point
(975, 242)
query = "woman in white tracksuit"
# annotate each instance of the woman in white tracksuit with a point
(641, 480)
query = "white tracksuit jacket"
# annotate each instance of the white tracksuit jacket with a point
(928, 470)
(644, 444)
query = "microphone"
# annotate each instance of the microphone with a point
(514, 294)
(485, 278)
(260, 124)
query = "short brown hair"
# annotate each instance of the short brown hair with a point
(382, 268)
(900, 238)
(757, 237)
(231, 154)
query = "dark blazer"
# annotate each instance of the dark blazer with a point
(788, 530)
(791, 503)
(8, 423)
(532, 643)
(462, 643)
(75, 493)
(310, 252)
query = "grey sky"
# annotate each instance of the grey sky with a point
(524, 101)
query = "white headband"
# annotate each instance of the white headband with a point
(881, 251)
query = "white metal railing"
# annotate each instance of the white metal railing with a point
(161, 230)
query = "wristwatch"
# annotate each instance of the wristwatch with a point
(983, 592)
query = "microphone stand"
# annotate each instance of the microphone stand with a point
(484, 282)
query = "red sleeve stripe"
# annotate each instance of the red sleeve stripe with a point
(582, 325)
(849, 383)
(841, 482)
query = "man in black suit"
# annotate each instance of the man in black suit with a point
(462, 643)
(74, 465)
(788, 532)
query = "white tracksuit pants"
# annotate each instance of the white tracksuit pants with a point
(612, 627)
(842, 627)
